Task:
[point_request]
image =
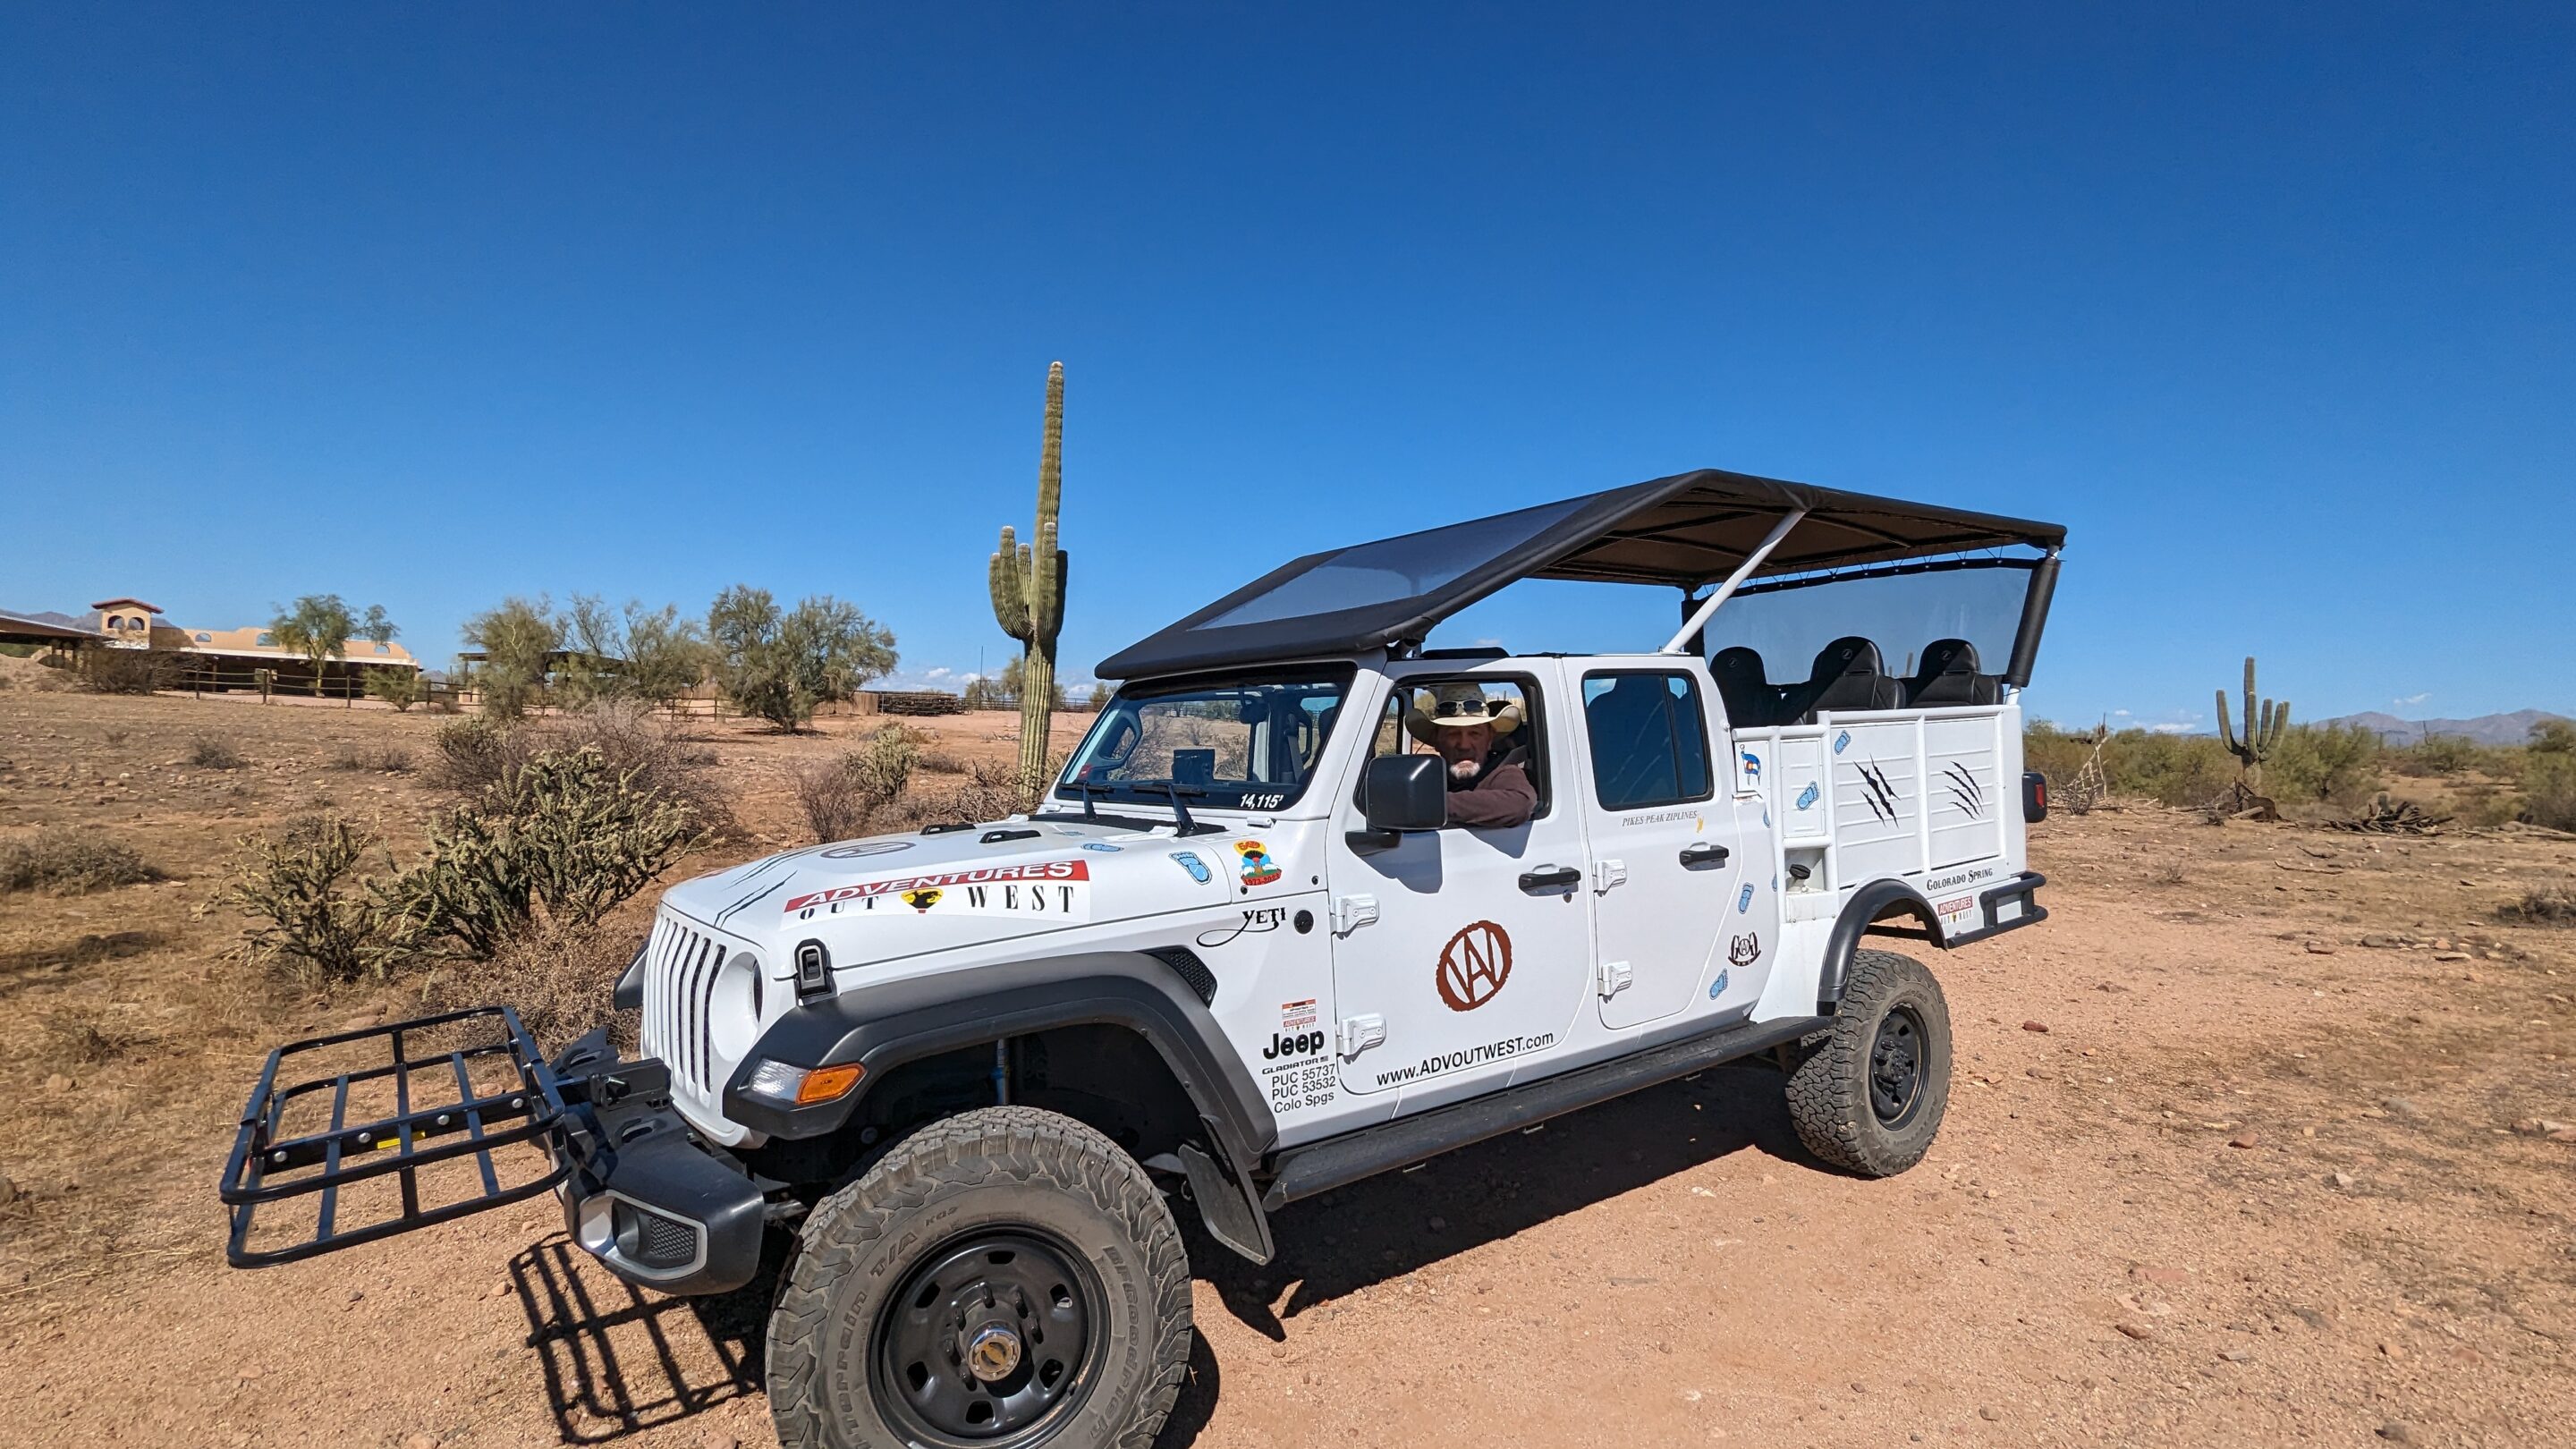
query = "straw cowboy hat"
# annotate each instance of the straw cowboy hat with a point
(1460, 704)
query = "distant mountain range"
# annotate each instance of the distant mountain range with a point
(2486, 729)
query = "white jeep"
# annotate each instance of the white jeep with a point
(1241, 955)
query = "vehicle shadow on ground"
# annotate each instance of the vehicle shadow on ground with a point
(1379, 1230)
(619, 1360)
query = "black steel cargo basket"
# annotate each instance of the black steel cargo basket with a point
(439, 1115)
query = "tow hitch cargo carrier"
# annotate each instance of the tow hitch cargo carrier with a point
(389, 1128)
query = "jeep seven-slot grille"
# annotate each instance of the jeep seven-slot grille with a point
(679, 989)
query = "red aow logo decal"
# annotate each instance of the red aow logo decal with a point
(1474, 965)
(1044, 872)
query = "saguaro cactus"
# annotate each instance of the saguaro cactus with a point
(1028, 593)
(2262, 730)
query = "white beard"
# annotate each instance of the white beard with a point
(1466, 769)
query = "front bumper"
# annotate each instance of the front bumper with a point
(642, 1193)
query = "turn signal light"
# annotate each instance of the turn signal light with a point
(828, 1084)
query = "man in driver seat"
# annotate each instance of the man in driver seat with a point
(1489, 783)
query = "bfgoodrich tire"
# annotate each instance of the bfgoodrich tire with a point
(1871, 1094)
(1006, 1278)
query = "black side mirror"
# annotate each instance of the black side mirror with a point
(1400, 793)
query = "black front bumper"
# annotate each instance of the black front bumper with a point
(642, 1193)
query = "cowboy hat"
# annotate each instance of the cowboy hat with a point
(1459, 704)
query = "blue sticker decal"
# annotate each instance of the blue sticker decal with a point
(1766, 817)
(1775, 881)
(1102, 845)
(1196, 867)
(1753, 765)
(1841, 740)
(1807, 797)
(1717, 988)
(1744, 899)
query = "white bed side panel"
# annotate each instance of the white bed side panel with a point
(1877, 796)
(1966, 791)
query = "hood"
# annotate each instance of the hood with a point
(892, 896)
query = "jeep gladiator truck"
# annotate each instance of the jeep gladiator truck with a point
(1241, 954)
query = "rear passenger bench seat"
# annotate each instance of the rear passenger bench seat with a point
(1849, 674)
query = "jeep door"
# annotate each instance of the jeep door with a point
(1677, 873)
(1460, 954)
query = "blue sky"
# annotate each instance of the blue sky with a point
(426, 305)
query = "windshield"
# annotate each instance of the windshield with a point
(1248, 744)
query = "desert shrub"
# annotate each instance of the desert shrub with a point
(401, 688)
(61, 861)
(2545, 905)
(390, 760)
(312, 913)
(214, 752)
(2174, 769)
(2323, 764)
(559, 982)
(85, 1037)
(480, 757)
(2435, 755)
(941, 762)
(126, 671)
(2549, 789)
(563, 841)
(841, 795)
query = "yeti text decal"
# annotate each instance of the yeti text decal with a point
(1474, 965)
(1258, 919)
(1060, 889)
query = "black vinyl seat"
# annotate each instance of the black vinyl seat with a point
(1948, 676)
(1847, 675)
(1752, 700)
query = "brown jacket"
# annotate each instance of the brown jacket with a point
(1500, 795)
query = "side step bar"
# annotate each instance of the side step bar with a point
(1301, 1172)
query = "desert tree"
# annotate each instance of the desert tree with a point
(315, 627)
(780, 664)
(516, 638)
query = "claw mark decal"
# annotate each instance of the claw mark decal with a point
(1878, 794)
(1964, 790)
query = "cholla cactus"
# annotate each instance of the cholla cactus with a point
(2262, 730)
(1028, 593)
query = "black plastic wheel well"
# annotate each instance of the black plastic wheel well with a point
(1107, 1077)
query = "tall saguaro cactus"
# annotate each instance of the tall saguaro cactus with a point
(1028, 593)
(2262, 730)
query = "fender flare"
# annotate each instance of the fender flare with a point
(1872, 902)
(884, 1025)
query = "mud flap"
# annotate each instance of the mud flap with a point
(1228, 1205)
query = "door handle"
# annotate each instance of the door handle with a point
(1704, 854)
(1550, 878)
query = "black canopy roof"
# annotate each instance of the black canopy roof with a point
(1687, 530)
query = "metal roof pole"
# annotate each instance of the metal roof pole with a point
(1700, 616)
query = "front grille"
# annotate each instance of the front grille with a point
(680, 967)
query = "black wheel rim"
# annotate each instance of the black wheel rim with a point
(1897, 1066)
(991, 1340)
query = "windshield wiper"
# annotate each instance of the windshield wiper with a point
(1087, 789)
(1173, 793)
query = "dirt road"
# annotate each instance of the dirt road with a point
(2216, 1172)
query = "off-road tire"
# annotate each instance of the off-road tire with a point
(1830, 1088)
(1000, 1168)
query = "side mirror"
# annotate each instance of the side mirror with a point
(1400, 793)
